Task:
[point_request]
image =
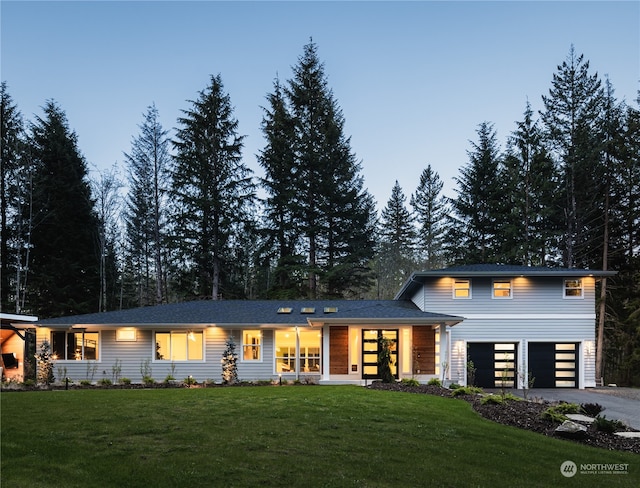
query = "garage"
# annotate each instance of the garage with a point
(553, 365)
(494, 364)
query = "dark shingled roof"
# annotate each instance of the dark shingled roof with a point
(256, 312)
(493, 271)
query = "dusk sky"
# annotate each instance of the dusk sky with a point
(414, 79)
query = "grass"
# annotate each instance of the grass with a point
(276, 436)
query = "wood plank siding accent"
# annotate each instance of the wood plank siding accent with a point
(424, 350)
(339, 350)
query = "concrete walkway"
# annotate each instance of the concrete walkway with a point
(620, 403)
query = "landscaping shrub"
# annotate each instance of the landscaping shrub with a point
(411, 382)
(434, 382)
(466, 390)
(591, 409)
(603, 424)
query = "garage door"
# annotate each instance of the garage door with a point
(494, 364)
(553, 365)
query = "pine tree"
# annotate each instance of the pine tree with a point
(212, 191)
(572, 110)
(430, 208)
(335, 212)
(478, 208)
(14, 186)
(530, 181)
(397, 235)
(64, 272)
(148, 167)
(281, 183)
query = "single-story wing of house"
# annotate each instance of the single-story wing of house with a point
(488, 325)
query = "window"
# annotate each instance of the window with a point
(573, 289)
(75, 346)
(179, 346)
(462, 289)
(287, 358)
(251, 345)
(502, 289)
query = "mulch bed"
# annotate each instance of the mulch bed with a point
(521, 414)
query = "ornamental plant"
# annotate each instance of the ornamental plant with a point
(230, 363)
(45, 366)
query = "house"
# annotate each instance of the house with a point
(504, 319)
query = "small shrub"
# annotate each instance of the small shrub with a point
(511, 397)
(603, 424)
(148, 380)
(29, 383)
(189, 380)
(125, 381)
(169, 378)
(567, 408)
(105, 382)
(85, 382)
(410, 382)
(591, 409)
(466, 390)
(454, 386)
(552, 414)
(434, 382)
(492, 400)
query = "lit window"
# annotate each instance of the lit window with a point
(179, 346)
(573, 289)
(251, 345)
(75, 346)
(502, 289)
(462, 289)
(288, 361)
(126, 335)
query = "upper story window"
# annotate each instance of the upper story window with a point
(75, 346)
(502, 289)
(179, 346)
(251, 345)
(462, 288)
(573, 289)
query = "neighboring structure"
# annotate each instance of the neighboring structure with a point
(504, 319)
(17, 336)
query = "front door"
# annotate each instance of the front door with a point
(371, 349)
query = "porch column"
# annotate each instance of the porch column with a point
(444, 352)
(325, 352)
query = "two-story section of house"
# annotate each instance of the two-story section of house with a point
(522, 325)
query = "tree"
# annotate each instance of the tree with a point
(532, 209)
(64, 270)
(430, 208)
(148, 167)
(212, 191)
(230, 363)
(14, 186)
(397, 236)
(335, 212)
(281, 183)
(572, 110)
(477, 210)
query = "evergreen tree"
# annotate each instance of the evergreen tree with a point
(430, 208)
(281, 183)
(230, 363)
(396, 255)
(336, 214)
(212, 191)
(13, 191)
(572, 110)
(532, 209)
(148, 167)
(64, 272)
(477, 210)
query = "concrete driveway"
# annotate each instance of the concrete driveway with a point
(620, 403)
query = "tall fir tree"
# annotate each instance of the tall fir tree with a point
(430, 207)
(335, 211)
(212, 191)
(64, 271)
(397, 242)
(282, 241)
(571, 113)
(477, 210)
(14, 188)
(532, 217)
(148, 165)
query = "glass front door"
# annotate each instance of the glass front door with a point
(371, 349)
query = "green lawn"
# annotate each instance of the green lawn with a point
(294, 436)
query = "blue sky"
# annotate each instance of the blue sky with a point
(414, 79)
